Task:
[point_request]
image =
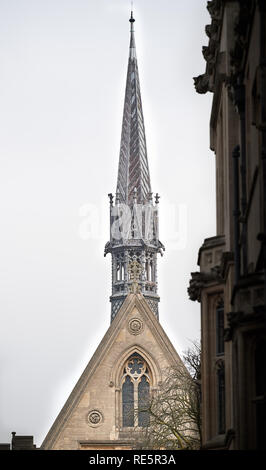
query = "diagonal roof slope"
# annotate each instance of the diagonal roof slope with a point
(103, 350)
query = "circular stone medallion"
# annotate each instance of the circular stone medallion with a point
(135, 326)
(95, 418)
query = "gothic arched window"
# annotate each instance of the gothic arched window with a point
(221, 396)
(135, 392)
(220, 327)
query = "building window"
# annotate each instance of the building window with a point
(143, 401)
(221, 397)
(120, 268)
(220, 327)
(135, 392)
(128, 402)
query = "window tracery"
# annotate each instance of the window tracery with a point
(136, 382)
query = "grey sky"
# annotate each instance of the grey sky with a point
(62, 84)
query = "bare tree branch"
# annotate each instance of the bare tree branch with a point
(175, 409)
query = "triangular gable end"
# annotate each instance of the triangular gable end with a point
(91, 416)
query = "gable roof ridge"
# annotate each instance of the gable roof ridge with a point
(157, 330)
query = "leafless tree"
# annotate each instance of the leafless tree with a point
(173, 412)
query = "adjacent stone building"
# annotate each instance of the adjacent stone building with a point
(129, 364)
(230, 283)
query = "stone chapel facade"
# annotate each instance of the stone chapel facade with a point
(135, 352)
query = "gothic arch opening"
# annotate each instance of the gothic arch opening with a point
(135, 377)
(136, 384)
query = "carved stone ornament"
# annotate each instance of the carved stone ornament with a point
(211, 29)
(135, 326)
(135, 288)
(135, 270)
(201, 83)
(95, 418)
(200, 280)
(214, 8)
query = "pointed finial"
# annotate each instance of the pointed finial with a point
(132, 47)
(111, 199)
(135, 271)
(131, 19)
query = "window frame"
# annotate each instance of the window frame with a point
(219, 326)
(135, 379)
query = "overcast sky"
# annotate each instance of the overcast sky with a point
(62, 83)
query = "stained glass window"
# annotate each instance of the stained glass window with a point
(221, 400)
(143, 401)
(135, 392)
(220, 328)
(135, 364)
(128, 402)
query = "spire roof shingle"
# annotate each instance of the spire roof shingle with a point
(133, 170)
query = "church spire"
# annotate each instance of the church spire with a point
(134, 218)
(133, 170)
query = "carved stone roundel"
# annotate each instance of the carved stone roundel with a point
(135, 326)
(95, 418)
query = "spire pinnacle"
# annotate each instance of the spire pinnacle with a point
(131, 19)
(133, 171)
(132, 47)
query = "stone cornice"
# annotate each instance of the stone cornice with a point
(216, 274)
(156, 246)
(209, 243)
